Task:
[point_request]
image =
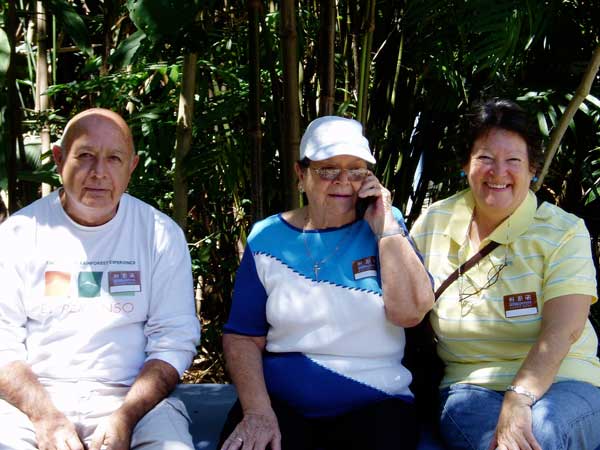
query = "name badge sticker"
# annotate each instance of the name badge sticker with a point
(518, 305)
(124, 281)
(364, 268)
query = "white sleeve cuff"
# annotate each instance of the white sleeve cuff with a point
(180, 360)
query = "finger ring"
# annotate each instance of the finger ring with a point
(239, 439)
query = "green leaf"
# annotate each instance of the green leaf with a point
(4, 55)
(123, 55)
(71, 23)
(163, 20)
(40, 176)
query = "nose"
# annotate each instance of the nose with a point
(342, 177)
(498, 168)
(99, 167)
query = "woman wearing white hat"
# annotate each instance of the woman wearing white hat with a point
(315, 338)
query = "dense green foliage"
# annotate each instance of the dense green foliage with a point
(430, 60)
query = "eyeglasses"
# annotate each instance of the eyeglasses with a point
(492, 278)
(332, 173)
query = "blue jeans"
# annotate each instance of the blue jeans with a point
(567, 417)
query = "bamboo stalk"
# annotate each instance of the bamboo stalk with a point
(276, 85)
(365, 65)
(581, 93)
(184, 138)
(291, 105)
(326, 57)
(53, 49)
(254, 113)
(109, 10)
(12, 115)
(41, 84)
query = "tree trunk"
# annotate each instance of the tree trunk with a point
(581, 93)
(254, 128)
(291, 127)
(12, 111)
(184, 138)
(41, 84)
(326, 57)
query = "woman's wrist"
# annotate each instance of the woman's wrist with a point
(523, 393)
(395, 231)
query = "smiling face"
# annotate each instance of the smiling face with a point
(331, 203)
(95, 163)
(499, 174)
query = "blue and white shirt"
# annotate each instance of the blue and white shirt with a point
(329, 345)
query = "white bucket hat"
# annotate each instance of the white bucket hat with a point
(330, 136)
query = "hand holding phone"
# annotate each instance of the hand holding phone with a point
(362, 204)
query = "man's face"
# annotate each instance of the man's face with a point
(95, 164)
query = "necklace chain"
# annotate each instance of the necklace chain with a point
(316, 264)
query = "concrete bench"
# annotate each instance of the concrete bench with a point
(208, 405)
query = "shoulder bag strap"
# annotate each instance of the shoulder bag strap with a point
(472, 261)
(466, 266)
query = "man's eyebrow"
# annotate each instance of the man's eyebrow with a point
(92, 147)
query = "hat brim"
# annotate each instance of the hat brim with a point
(342, 149)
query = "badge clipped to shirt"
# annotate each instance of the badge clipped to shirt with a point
(518, 305)
(124, 282)
(364, 268)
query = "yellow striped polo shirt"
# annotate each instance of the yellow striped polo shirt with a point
(484, 338)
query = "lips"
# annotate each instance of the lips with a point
(94, 190)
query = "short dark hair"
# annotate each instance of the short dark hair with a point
(506, 115)
(304, 163)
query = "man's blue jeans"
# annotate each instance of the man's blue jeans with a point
(567, 417)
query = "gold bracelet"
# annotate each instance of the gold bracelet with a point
(522, 391)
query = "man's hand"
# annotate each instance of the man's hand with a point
(255, 432)
(56, 432)
(156, 379)
(112, 434)
(20, 387)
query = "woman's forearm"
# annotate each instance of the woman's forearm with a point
(243, 355)
(407, 290)
(563, 321)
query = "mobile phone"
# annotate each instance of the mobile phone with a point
(362, 204)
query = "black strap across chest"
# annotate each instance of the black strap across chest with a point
(466, 266)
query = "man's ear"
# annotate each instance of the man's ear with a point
(57, 154)
(134, 163)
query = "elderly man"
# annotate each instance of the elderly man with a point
(97, 319)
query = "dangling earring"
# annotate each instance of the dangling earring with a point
(300, 188)
(462, 174)
(534, 179)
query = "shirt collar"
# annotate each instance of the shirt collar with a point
(508, 231)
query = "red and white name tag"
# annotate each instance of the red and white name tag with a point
(517, 305)
(365, 267)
